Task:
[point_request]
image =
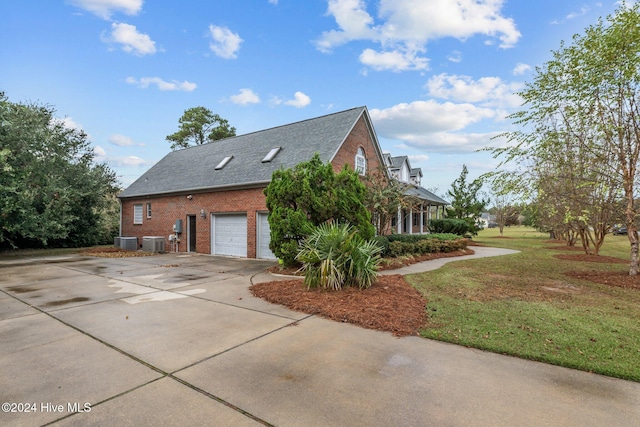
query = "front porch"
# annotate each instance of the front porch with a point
(415, 219)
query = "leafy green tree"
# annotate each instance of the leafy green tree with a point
(588, 95)
(51, 191)
(505, 211)
(198, 125)
(310, 194)
(384, 197)
(466, 201)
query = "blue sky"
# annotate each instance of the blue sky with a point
(438, 76)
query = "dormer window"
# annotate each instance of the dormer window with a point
(223, 163)
(360, 162)
(271, 154)
(404, 173)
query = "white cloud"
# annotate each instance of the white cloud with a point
(99, 151)
(421, 21)
(406, 26)
(583, 11)
(300, 100)
(70, 124)
(427, 117)
(393, 60)
(488, 91)
(131, 40)
(354, 22)
(122, 141)
(105, 8)
(521, 68)
(224, 43)
(246, 96)
(432, 125)
(127, 161)
(455, 56)
(417, 158)
(163, 85)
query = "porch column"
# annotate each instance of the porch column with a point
(399, 221)
(411, 220)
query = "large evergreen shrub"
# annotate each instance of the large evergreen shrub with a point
(310, 194)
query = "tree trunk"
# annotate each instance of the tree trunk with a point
(633, 238)
(632, 230)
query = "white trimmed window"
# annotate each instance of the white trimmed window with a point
(361, 162)
(137, 214)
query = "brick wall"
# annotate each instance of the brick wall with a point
(165, 210)
(359, 137)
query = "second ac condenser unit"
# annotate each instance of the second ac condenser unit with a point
(153, 243)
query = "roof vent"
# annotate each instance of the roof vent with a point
(223, 163)
(271, 154)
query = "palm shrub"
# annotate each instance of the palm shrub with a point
(334, 256)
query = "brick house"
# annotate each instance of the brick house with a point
(213, 193)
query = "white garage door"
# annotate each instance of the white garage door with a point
(264, 236)
(229, 235)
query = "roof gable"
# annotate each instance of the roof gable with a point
(192, 169)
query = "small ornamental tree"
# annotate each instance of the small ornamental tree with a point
(384, 197)
(465, 199)
(308, 195)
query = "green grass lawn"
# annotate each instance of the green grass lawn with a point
(524, 305)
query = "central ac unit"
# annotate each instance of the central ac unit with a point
(153, 243)
(129, 243)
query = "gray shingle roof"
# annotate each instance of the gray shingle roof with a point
(396, 162)
(426, 195)
(192, 169)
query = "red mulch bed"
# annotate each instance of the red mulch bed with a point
(620, 279)
(565, 248)
(391, 304)
(591, 258)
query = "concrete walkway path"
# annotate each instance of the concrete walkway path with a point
(179, 340)
(420, 267)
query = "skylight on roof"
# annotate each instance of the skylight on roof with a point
(271, 154)
(223, 163)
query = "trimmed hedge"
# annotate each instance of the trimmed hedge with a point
(451, 225)
(396, 245)
(413, 238)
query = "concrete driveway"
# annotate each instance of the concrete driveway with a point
(178, 340)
